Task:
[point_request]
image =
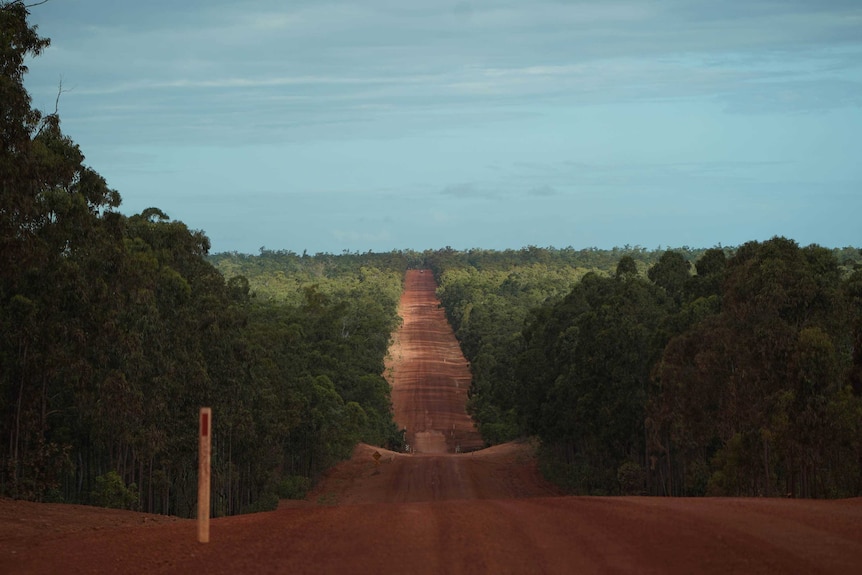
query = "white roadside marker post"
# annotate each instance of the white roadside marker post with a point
(204, 443)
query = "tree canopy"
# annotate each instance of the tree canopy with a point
(736, 375)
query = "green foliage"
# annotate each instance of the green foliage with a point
(487, 310)
(293, 487)
(671, 272)
(742, 378)
(585, 371)
(112, 492)
(733, 466)
(266, 502)
(626, 267)
(759, 387)
(283, 276)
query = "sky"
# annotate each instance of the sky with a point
(417, 124)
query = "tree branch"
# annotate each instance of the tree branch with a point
(21, 2)
(60, 91)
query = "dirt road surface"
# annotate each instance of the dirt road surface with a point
(437, 511)
(429, 375)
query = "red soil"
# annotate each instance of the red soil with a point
(429, 375)
(440, 512)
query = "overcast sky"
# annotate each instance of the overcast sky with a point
(417, 124)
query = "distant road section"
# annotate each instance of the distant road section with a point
(428, 374)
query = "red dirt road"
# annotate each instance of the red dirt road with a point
(429, 375)
(434, 512)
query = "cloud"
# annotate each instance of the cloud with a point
(814, 95)
(210, 71)
(470, 190)
(464, 190)
(542, 191)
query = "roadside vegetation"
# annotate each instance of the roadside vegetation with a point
(675, 372)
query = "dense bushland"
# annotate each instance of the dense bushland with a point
(739, 375)
(488, 295)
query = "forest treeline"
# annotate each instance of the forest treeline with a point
(115, 329)
(676, 372)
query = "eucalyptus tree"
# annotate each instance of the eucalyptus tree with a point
(585, 372)
(754, 398)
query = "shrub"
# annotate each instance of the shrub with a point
(294, 487)
(112, 492)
